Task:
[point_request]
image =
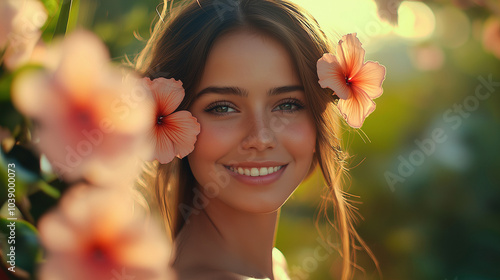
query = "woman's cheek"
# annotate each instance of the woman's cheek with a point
(300, 136)
(215, 138)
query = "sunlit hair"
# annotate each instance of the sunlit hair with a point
(178, 48)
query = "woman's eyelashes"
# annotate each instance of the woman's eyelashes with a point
(220, 107)
(223, 107)
(289, 105)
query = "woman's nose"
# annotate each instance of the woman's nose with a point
(259, 134)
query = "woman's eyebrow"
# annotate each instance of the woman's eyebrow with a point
(244, 93)
(285, 89)
(223, 90)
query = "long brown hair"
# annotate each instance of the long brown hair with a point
(178, 48)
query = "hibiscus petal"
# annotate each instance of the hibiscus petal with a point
(350, 54)
(168, 94)
(356, 109)
(331, 76)
(370, 78)
(56, 234)
(140, 248)
(30, 92)
(84, 49)
(164, 148)
(182, 130)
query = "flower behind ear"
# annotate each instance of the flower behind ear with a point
(354, 82)
(173, 134)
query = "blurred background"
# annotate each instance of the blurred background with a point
(426, 164)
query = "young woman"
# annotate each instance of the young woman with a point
(249, 71)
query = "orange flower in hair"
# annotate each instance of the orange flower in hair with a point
(173, 134)
(354, 81)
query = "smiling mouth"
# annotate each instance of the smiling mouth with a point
(255, 171)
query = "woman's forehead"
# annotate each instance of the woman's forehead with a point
(245, 58)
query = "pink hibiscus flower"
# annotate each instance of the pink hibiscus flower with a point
(92, 121)
(173, 134)
(354, 81)
(99, 234)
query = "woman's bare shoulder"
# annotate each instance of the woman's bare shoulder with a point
(280, 265)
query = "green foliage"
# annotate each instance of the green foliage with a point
(24, 238)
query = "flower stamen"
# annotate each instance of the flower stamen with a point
(159, 120)
(348, 81)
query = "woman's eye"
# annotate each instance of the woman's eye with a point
(219, 108)
(287, 106)
(222, 109)
(290, 106)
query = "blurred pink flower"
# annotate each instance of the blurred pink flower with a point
(355, 82)
(98, 233)
(173, 134)
(20, 23)
(427, 57)
(491, 36)
(92, 120)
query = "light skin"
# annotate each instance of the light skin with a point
(252, 109)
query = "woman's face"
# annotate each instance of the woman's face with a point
(257, 135)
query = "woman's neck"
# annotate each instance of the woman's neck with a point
(230, 239)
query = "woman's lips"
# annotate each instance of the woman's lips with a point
(256, 175)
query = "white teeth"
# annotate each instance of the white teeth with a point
(254, 171)
(263, 171)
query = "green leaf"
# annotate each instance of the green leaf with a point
(49, 28)
(22, 171)
(52, 7)
(49, 190)
(41, 203)
(62, 21)
(9, 116)
(27, 163)
(19, 239)
(73, 15)
(5, 82)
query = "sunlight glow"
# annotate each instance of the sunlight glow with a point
(340, 17)
(415, 21)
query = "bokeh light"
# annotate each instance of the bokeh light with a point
(416, 20)
(339, 17)
(453, 27)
